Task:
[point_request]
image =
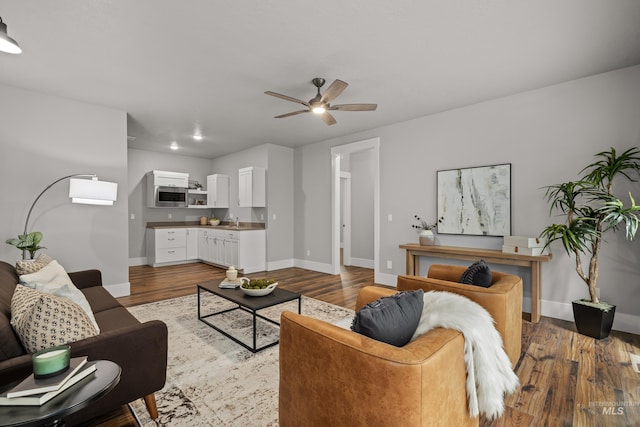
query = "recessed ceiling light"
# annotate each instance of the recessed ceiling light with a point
(174, 145)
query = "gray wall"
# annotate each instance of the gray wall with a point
(229, 165)
(141, 162)
(548, 135)
(362, 229)
(278, 162)
(279, 207)
(43, 138)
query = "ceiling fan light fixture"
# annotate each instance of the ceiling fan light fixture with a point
(7, 44)
(319, 109)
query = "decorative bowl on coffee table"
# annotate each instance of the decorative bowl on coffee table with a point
(256, 292)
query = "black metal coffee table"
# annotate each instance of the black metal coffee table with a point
(250, 305)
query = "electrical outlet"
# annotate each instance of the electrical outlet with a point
(169, 216)
(308, 252)
(261, 217)
(273, 216)
(389, 264)
(598, 292)
(133, 216)
(389, 217)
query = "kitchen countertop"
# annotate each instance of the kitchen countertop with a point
(225, 225)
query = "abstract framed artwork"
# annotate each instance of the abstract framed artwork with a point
(475, 201)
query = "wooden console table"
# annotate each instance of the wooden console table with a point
(414, 251)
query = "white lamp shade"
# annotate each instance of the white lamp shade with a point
(7, 44)
(92, 191)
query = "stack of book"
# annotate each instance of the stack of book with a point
(230, 284)
(524, 245)
(37, 391)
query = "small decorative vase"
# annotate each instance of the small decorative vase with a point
(232, 274)
(427, 238)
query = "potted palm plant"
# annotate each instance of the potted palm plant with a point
(590, 210)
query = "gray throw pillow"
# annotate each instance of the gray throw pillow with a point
(478, 274)
(391, 319)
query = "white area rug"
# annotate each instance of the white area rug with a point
(211, 380)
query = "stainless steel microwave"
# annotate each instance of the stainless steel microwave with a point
(171, 197)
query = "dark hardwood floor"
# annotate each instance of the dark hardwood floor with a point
(566, 379)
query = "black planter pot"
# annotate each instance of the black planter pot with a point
(593, 321)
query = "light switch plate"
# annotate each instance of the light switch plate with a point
(635, 362)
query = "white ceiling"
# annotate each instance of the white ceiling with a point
(186, 65)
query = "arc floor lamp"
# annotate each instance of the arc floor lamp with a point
(84, 191)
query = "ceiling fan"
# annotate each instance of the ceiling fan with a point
(320, 104)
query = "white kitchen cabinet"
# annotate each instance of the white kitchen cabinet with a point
(245, 249)
(197, 199)
(166, 245)
(252, 187)
(218, 191)
(192, 244)
(252, 251)
(168, 179)
(203, 245)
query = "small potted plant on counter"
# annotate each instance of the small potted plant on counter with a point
(29, 242)
(591, 209)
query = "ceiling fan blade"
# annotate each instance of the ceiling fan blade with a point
(327, 118)
(287, 98)
(334, 90)
(281, 116)
(354, 107)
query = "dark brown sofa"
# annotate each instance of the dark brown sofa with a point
(139, 348)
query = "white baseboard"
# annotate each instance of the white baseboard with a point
(314, 266)
(559, 310)
(280, 264)
(137, 261)
(361, 262)
(119, 289)
(386, 279)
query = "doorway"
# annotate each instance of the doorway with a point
(336, 205)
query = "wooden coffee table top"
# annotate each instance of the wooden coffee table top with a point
(278, 296)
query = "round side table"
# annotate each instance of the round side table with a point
(77, 397)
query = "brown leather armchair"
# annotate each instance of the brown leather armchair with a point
(330, 376)
(503, 299)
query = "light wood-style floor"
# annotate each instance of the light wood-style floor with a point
(566, 379)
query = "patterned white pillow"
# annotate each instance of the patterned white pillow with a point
(44, 320)
(53, 279)
(28, 266)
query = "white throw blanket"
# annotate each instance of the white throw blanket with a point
(489, 373)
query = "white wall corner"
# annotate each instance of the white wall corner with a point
(137, 261)
(119, 289)
(386, 279)
(280, 264)
(314, 266)
(361, 262)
